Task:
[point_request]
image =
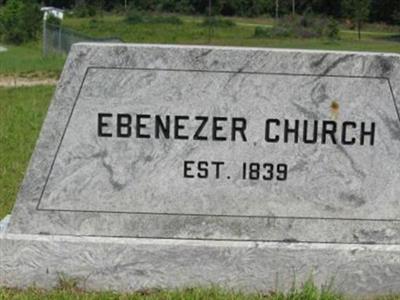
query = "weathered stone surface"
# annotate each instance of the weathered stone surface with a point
(80, 183)
(132, 264)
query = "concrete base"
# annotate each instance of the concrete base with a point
(134, 264)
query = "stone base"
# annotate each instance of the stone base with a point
(134, 264)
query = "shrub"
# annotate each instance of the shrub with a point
(92, 11)
(217, 22)
(281, 32)
(332, 29)
(396, 17)
(245, 8)
(134, 17)
(264, 32)
(180, 6)
(137, 17)
(95, 23)
(119, 9)
(20, 21)
(306, 26)
(248, 8)
(53, 20)
(165, 20)
(83, 11)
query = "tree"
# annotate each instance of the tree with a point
(326, 7)
(293, 8)
(396, 17)
(20, 21)
(384, 10)
(358, 11)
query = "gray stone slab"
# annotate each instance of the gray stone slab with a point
(79, 183)
(127, 264)
(136, 210)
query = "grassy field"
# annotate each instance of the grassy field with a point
(27, 60)
(307, 292)
(190, 32)
(22, 111)
(68, 290)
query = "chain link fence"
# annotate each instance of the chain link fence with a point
(59, 39)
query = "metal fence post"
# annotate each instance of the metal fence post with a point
(44, 37)
(59, 38)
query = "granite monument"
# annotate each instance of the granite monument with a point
(175, 166)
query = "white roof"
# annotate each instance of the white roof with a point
(51, 8)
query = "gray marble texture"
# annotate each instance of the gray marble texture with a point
(80, 184)
(127, 264)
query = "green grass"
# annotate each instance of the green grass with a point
(27, 61)
(22, 111)
(242, 35)
(69, 290)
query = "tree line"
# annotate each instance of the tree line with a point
(20, 20)
(387, 11)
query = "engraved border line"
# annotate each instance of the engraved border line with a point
(206, 215)
(62, 138)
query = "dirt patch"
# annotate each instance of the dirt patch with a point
(20, 81)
